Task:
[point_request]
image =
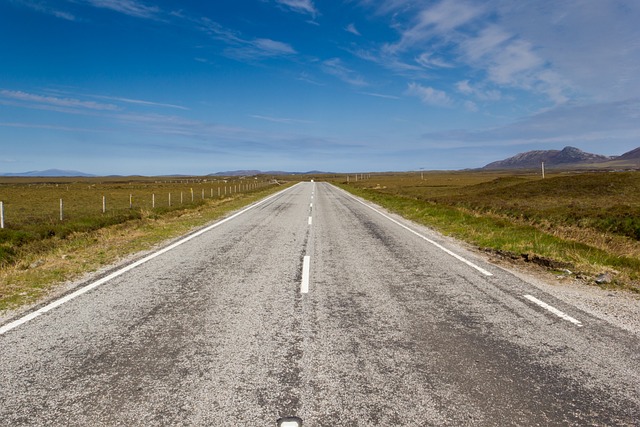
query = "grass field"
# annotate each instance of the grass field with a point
(588, 223)
(32, 206)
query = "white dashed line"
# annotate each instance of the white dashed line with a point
(310, 220)
(306, 265)
(554, 310)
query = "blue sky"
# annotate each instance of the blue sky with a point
(195, 87)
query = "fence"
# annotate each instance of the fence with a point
(29, 203)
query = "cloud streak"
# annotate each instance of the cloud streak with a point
(429, 95)
(351, 28)
(73, 103)
(127, 7)
(242, 48)
(300, 6)
(284, 120)
(336, 68)
(44, 8)
(140, 102)
(380, 95)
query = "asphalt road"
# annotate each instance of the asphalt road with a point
(313, 304)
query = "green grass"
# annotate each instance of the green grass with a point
(32, 207)
(589, 222)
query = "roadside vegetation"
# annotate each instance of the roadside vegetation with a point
(38, 251)
(581, 225)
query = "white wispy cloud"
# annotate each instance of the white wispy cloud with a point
(139, 102)
(392, 62)
(351, 28)
(259, 49)
(429, 95)
(510, 61)
(486, 42)
(285, 120)
(430, 60)
(127, 7)
(471, 106)
(306, 77)
(466, 88)
(380, 95)
(300, 6)
(384, 7)
(270, 47)
(439, 20)
(507, 59)
(44, 8)
(242, 48)
(336, 68)
(34, 99)
(47, 127)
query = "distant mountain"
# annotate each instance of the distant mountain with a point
(49, 173)
(630, 155)
(565, 157)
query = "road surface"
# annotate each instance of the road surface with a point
(313, 303)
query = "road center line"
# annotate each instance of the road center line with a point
(437, 245)
(87, 288)
(306, 265)
(554, 310)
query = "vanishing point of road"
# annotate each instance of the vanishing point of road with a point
(316, 304)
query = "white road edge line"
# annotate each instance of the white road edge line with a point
(306, 266)
(437, 245)
(85, 289)
(554, 310)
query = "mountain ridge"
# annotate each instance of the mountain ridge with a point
(567, 157)
(49, 173)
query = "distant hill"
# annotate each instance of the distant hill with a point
(629, 160)
(49, 173)
(630, 155)
(565, 157)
